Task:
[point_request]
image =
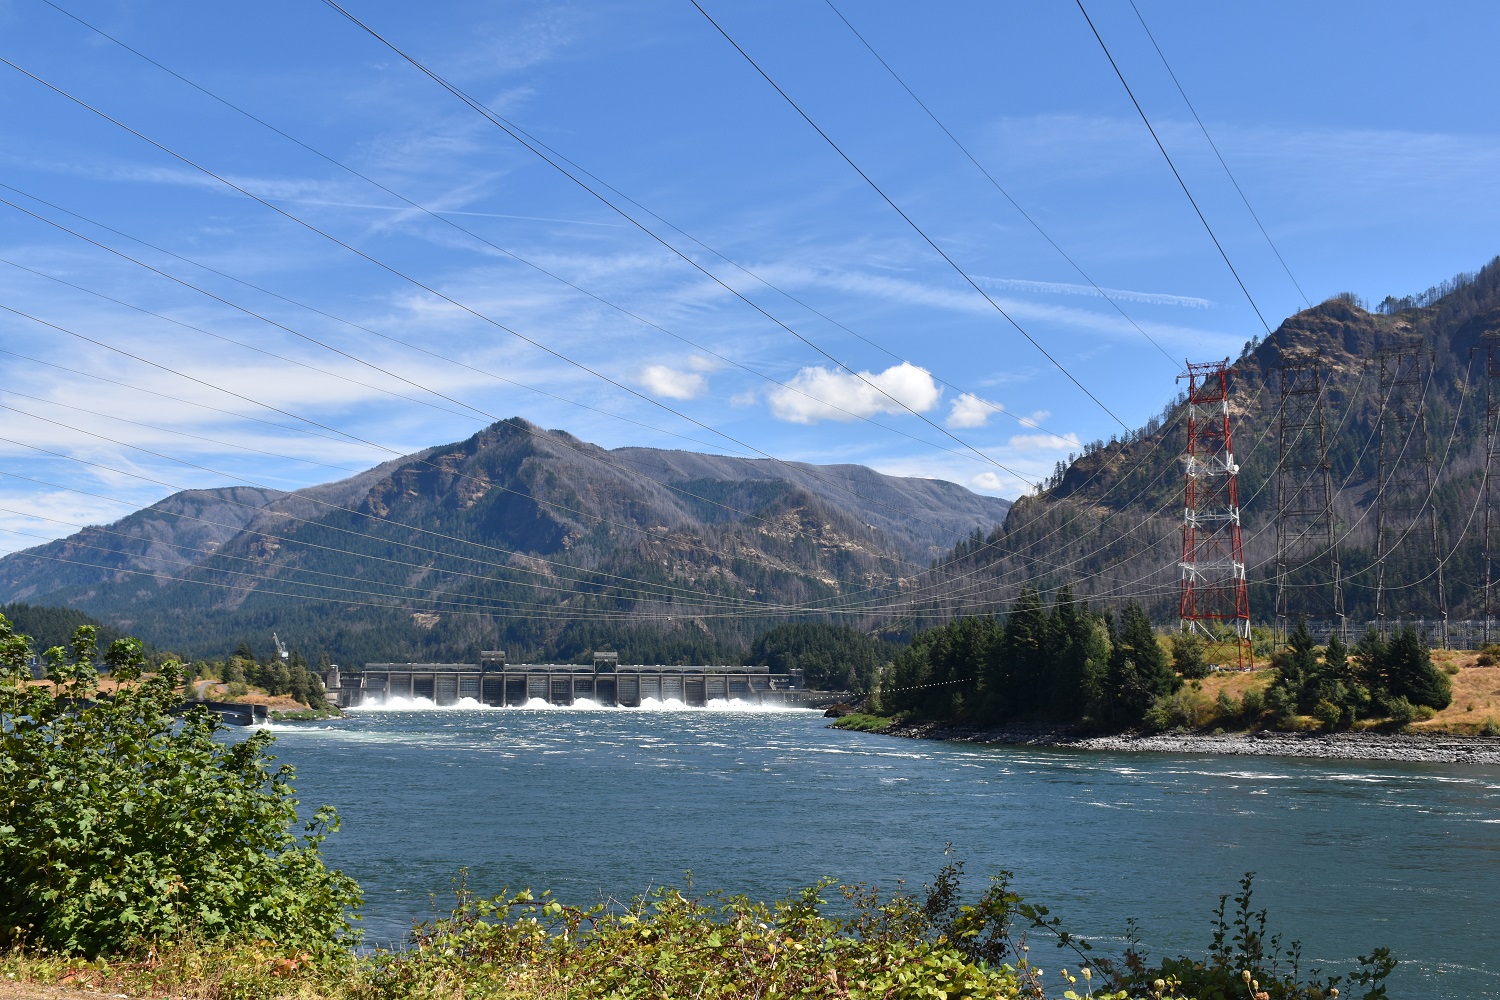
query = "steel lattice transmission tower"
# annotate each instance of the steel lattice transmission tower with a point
(1491, 348)
(1213, 558)
(1305, 525)
(1404, 478)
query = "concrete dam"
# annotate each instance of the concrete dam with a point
(606, 682)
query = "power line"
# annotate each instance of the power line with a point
(509, 253)
(1222, 162)
(557, 567)
(447, 298)
(1167, 156)
(993, 182)
(515, 133)
(908, 219)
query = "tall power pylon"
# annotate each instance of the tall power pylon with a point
(1213, 557)
(1306, 546)
(1404, 480)
(1491, 347)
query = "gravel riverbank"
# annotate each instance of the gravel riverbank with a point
(1429, 748)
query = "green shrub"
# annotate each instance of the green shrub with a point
(1328, 713)
(1425, 713)
(1400, 711)
(1489, 728)
(1252, 706)
(123, 826)
(861, 723)
(1189, 655)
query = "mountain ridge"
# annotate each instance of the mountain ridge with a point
(513, 515)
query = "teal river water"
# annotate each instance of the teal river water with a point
(1349, 855)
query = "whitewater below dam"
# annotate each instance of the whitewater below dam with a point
(597, 803)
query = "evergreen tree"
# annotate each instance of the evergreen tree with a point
(1138, 669)
(1018, 662)
(1410, 674)
(1297, 672)
(1067, 629)
(1369, 660)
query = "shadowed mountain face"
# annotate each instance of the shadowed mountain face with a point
(518, 537)
(1110, 523)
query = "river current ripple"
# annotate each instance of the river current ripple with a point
(594, 804)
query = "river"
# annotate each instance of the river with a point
(1348, 855)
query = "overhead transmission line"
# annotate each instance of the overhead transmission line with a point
(586, 452)
(1222, 162)
(64, 94)
(445, 603)
(769, 611)
(449, 222)
(905, 217)
(1175, 173)
(433, 291)
(558, 569)
(993, 182)
(521, 138)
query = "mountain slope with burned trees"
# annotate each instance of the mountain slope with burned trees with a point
(1108, 522)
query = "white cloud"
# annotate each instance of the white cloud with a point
(663, 381)
(988, 482)
(825, 394)
(971, 411)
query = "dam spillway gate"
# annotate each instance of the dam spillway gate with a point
(605, 682)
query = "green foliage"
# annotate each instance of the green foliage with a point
(826, 942)
(1330, 688)
(1408, 671)
(1189, 655)
(1252, 707)
(1394, 679)
(1139, 673)
(673, 944)
(1244, 961)
(1067, 665)
(50, 627)
(121, 826)
(829, 656)
(861, 723)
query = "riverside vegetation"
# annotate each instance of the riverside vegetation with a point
(140, 853)
(1101, 671)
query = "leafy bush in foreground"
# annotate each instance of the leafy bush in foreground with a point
(122, 826)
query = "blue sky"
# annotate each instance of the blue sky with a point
(1365, 136)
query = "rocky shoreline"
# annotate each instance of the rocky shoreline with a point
(1435, 748)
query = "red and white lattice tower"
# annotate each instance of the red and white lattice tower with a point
(1213, 557)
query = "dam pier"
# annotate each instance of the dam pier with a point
(605, 682)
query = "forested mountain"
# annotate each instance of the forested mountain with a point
(519, 538)
(1109, 521)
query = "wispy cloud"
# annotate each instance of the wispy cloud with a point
(1118, 294)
